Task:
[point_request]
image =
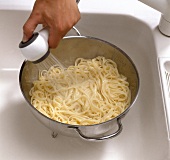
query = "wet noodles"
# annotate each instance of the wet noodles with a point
(90, 92)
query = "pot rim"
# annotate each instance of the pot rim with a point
(115, 118)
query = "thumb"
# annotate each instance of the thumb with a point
(29, 28)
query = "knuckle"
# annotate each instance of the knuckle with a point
(25, 28)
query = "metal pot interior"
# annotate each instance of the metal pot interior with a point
(86, 47)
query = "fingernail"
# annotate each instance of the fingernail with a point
(24, 39)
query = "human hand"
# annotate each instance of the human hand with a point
(58, 15)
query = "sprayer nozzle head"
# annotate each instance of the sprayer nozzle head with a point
(36, 48)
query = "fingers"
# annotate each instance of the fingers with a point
(32, 22)
(54, 38)
(29, 28)
(56, 33)
(59, 27)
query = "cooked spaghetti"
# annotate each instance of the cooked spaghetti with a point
(90, 92)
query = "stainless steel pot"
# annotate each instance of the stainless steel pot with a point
(68, 50)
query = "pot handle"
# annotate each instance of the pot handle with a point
(120, 127)
(77, 31)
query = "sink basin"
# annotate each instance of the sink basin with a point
(144, 135)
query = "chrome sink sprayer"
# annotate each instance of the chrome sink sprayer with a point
(162, 6)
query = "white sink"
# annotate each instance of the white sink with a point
(145, 133)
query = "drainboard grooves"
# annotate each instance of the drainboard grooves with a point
(164, 72)
(168, 81)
